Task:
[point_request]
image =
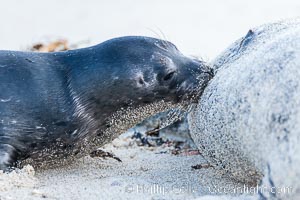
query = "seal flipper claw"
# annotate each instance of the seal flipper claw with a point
(103, 154)
(8, 156)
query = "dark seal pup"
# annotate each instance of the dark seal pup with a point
(59, 105)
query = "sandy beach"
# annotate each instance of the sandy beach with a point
(144, 173)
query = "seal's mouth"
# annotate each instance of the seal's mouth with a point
(190, 90)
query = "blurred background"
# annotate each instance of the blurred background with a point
(198, 28)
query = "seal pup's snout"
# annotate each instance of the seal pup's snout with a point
(200, 67)
(208, 71)
(205, 75)
(196, 76)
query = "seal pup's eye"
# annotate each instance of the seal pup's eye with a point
(169, 76)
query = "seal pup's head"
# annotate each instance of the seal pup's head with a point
(127, 79)
(145, 70)
(149, 76)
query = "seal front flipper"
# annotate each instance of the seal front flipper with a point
(103, 154)
(8, 156)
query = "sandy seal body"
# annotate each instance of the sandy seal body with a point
(57, 105)
(247, 121)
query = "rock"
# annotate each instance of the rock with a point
(248, 118)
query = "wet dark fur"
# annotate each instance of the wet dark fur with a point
(62, 100)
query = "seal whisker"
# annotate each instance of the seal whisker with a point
(162, 37)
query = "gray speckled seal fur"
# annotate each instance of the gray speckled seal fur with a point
(248, 118)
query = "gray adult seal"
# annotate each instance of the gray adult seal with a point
(247, 121)
(59, 105)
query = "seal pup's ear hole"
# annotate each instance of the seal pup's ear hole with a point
(141, 81)
(169, 76)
